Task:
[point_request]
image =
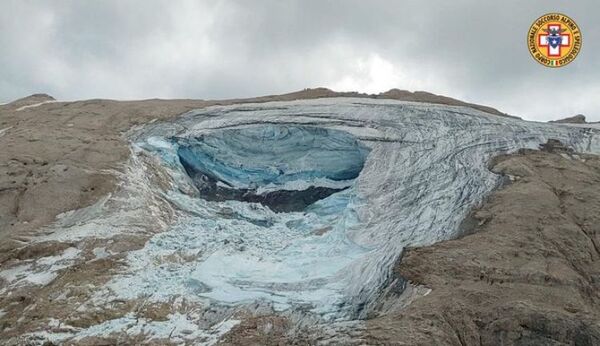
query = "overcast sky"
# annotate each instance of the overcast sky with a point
(473, 50)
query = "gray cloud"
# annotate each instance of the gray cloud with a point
(472, 50)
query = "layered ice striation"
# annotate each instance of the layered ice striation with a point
(285, 168)
(307, 205)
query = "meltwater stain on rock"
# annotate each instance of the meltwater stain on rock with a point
(285, 168)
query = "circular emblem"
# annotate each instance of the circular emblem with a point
(554, 40)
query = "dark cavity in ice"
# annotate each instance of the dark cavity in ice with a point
(285, 168)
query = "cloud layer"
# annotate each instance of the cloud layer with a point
(468, 49)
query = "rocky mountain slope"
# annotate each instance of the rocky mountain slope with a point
(576, 119)
(256, 220)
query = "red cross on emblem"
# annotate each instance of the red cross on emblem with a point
(554, 40)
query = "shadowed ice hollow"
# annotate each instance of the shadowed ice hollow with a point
(283, 167)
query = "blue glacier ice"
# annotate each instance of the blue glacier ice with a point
(283, 167)
(243, 251)
(396, 174)
(257, 156)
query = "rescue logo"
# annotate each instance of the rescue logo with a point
(554, 40)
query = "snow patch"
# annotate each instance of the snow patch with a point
(178, 328)
(39, 272)
(4, 130)
(100, 253)
(35, 105)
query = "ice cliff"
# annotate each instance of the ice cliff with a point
(303, 206)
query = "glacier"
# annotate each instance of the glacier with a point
(300, 207)
(397, 174)
(245, 246)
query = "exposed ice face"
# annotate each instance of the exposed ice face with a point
(283, 167)
(234, 251)
(259, 155)
(424, 169)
